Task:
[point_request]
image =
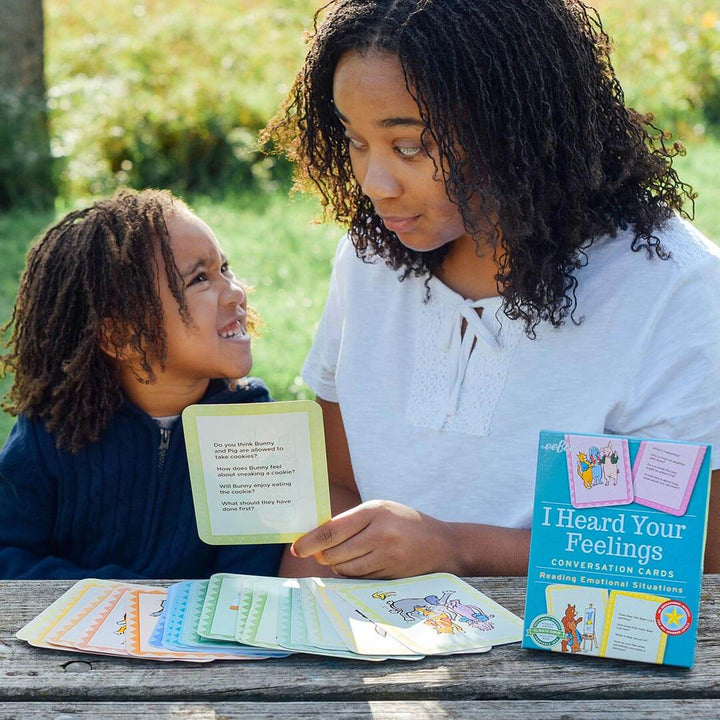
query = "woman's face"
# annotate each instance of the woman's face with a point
(383, 127)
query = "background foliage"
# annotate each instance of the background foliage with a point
(157, 92)
(171, 93)
(168, 94)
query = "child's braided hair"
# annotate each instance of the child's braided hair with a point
(91, 281)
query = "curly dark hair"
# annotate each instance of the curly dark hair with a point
(95, 265)
(531, 128)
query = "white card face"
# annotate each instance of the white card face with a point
(364, 636)
(150, 607)
(631, 630)
(77, 624)
(260, 624)
(599, 471)
(298, 629)
(436, 614)
(108, 633)
(36, 631)
(321, 632)
(258, 471)
(222, 596)
(144, 608)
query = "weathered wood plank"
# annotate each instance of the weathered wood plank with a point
(394, 710)
(507, 672)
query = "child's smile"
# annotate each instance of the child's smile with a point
(233, 331)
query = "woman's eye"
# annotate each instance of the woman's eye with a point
(356, 144)
(408, 151)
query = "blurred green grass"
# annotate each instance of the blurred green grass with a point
(145, 90)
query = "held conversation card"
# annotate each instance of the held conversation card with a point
(616, 548)
(258, 471)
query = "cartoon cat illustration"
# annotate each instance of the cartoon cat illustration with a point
(584, 470)
(590, 468)
(572, 635)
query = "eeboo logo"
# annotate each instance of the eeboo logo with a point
(558, 447)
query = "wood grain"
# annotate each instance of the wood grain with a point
(506, 673)
(399, 710)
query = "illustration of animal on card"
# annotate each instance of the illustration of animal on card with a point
(599, 471)
(159, 611)
(584, 606)
(609, 459)
(573, 638)
(122, 625)
(444, 613)
(590, 467)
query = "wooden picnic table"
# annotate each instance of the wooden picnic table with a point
(508, 682)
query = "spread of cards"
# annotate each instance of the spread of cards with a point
(246, 617)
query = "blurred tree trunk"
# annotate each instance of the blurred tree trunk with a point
(25, 160)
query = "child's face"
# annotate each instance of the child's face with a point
(384, 129)
(217, 344)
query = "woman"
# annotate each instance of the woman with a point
(515, 260)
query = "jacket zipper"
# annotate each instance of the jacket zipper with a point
(164, 445)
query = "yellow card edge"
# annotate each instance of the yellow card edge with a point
(199, 493)
(41, 625)
(660, 655)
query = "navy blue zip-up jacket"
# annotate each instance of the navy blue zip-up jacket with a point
(113, 510)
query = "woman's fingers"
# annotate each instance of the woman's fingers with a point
(333, 533)
(378, 539)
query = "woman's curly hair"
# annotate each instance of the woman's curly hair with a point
(91, 281)
(531, 127)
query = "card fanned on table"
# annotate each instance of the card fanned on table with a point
(616, 549)
(248, 617)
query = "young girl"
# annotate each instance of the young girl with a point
(127, 313)
(514, 261)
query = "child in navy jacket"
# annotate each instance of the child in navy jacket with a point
(126, 314)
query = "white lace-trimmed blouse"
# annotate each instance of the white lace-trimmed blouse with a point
(443, 399)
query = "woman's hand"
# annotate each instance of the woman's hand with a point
(381, 539)
(384, 539)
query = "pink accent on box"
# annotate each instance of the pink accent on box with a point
(651, 493)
